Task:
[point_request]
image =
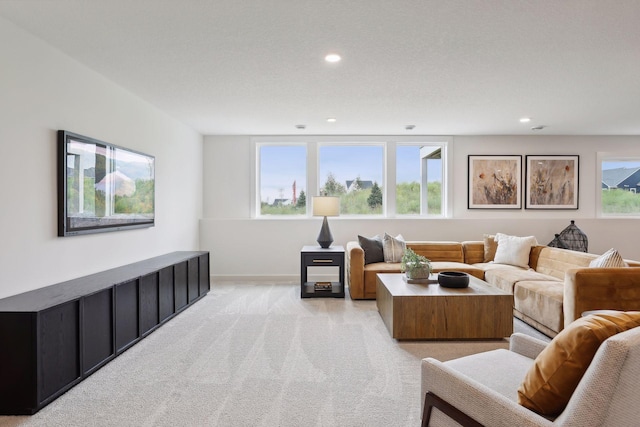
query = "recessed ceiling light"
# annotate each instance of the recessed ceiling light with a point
(332, 120)
(525, 120)
(333, 57)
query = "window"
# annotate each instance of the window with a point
(620, 183)
(419, 175)
(355, 174)
(283, 179)
(373, 176)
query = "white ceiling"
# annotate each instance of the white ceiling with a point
(449, 67)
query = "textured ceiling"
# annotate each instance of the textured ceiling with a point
(449, 67)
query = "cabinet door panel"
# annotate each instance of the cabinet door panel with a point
(180, 284)
(192, 276)
(203, 277)
(97, 329)
(148, 302)
(126, 314)
(59, 348)
(167, 294)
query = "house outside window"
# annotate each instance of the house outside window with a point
(355, 173)
(379, 177)
(620, 184)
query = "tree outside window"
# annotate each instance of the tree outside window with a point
(419, 179)
(355, 174)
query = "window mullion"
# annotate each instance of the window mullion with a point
(390, 179)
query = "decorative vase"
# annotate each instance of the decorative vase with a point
(420, 271)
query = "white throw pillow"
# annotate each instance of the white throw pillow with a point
(514, 250)
(393, 247)
(611, 258)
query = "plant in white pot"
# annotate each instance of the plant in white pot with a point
(415, 266)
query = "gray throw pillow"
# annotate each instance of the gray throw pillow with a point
(372, 249)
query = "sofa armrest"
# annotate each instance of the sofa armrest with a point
(600, 289)
(355, 269)
(526, 345)
(478, 401)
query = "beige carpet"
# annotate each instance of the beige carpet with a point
(258, 355)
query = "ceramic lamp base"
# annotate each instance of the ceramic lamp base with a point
(325, 238)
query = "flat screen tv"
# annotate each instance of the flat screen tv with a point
(102, 187)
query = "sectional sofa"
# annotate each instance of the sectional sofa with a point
(554, 289)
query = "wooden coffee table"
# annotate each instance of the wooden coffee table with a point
(429, 311)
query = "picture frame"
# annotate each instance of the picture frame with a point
(494, 182)
(552, 182)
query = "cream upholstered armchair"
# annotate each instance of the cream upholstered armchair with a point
(481, 389)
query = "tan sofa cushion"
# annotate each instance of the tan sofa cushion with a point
(439, 266)
(438, 251)
(506, 278)
(370, 272)
(542, 301)
(490, 247)
(556, 372)
(473, 251)
(555, 262)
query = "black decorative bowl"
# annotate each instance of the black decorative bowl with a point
(453, 279)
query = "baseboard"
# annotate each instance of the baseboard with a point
(266, 278)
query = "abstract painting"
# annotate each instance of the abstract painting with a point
(552, 182)
(495, 182)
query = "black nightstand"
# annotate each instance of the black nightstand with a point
(315, 256)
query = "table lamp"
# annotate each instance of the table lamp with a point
(325, 206)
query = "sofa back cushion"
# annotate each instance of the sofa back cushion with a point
(555, 262)
(473, 251)
(438, 251)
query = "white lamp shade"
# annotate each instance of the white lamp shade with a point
(326, 206)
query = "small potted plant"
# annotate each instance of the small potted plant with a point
(415, 266)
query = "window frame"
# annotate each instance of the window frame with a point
(256, 178)
(388, 144)
(602, 157)
(346, 143)
(442, 143)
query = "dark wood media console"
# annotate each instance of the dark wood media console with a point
(54, 337)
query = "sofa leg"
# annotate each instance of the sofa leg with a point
(433, 401)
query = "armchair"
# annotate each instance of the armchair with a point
(481, 389)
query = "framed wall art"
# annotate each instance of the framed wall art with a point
(552, 182)
(495, 182)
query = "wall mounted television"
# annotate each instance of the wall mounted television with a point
(102, 187)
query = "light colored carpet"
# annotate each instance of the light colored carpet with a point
(258, 355)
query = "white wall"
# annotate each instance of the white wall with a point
(269, 248)
(43, 90)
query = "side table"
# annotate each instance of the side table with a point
(315, 256)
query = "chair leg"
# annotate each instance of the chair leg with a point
(433, 401)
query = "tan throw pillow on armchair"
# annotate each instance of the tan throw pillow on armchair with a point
(556, 372)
